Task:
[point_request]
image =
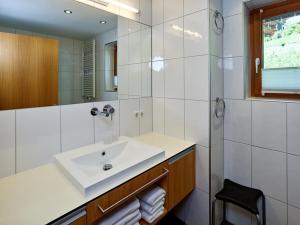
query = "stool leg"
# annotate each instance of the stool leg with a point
(264, 210)
(224, 210)
(258, 220)
(213, 211)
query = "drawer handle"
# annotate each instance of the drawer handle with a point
(165, 172)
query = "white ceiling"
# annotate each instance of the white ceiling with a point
(47, 16)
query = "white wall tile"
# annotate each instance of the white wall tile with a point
(293, 180)
(134, 80)
(196, 34)
(146, 45)
(191, 6)
(234, 78)
(173, 9)
(232, 7)
(158, 79)
(197, 122)
(129, 122)
(202, 168)
(7, 143)
(237, 123)
(269, 125)
(158, 42)
(196, 74)
(293, 215)
(216, 78)
(145, 12)
(237, 215)
(134, 26)
(174, 118)
(159, 115)
(123, 80)
(77, 126)
(123, 26)
(234, 44)
(157, 12)
(146, 115)
(269, 173)
(276, 212)
(135, 47)
(105, 128)
(197, 208)
(146, 79)
(237, 162)
(174, 79)
(173, 39)
(37, 136)
(293, 128)
(123, 50)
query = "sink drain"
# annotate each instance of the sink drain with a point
(107, 167)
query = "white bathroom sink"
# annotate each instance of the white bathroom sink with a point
(103, 165)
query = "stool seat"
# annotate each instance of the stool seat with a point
(240, 195)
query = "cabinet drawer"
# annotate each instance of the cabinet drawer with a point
(107, 202)
(181, 176)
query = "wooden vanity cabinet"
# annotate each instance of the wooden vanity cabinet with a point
(104, 204)
(181, 177)
(176, 176)
(79, 221)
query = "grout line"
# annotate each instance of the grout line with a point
(287, 173)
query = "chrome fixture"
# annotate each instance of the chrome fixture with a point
(102, 21)
(107, 111)
(67, 11)
(219, 21)
(220, 108)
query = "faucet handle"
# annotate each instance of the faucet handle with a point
(94, 111)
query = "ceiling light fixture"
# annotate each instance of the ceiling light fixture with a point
(67, 11)
(100, 3)
(102, 22)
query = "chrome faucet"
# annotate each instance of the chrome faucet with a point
(107, 111)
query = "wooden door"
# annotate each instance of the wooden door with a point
(28, 71)
(181, 177)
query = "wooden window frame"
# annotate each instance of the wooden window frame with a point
(256, 17)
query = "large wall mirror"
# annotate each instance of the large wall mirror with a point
(64, 52)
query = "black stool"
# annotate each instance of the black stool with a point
(241, 196)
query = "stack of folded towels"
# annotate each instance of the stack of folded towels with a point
(129, 214)
(152, 203)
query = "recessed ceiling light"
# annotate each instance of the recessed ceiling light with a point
(68, 11)
(102, 22)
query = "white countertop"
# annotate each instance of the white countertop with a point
(41, 195)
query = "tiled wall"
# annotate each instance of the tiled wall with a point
(134, 75)
(182, 51)
(30, 137)
(261, 136)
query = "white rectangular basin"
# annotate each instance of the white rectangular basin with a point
(105, 165)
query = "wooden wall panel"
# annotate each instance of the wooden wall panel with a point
(28, 71)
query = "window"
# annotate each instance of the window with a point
(275, 50)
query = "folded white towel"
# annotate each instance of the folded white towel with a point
(150, 218)
(153, 195)
(128, 218)
(151, 209)
(135, 220)
(116, 216)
